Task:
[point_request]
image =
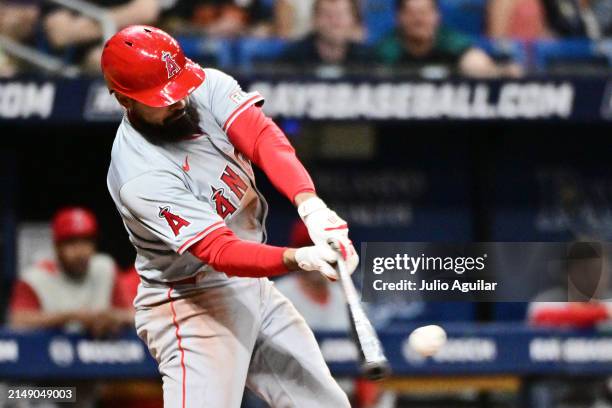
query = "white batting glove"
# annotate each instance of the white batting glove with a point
(324, 225)
(317, 258)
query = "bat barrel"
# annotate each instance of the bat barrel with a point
(374, 364)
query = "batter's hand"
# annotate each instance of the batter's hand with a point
(324, 225)
(317, 258)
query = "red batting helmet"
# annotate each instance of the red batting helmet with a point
(148, 65)
(74, 222)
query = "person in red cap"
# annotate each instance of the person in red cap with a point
(181, 177)
(78, 290)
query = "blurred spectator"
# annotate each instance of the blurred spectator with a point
(129, 281)
(293, 18)
(8, 68)
(332, 41)
(220, 18)
(580, 18)
(421, 40)
(517, 19)
(79, 290)
(18, 19)
(18, 22)
(66, 29)
(578, 301)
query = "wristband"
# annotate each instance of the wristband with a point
(309, 206)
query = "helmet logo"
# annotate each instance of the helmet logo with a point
(171, 66)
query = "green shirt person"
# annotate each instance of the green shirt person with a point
(448, 48)
(420, 40)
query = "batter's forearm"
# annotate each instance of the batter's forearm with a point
(289, 259)
(301, 197)
(227, 253)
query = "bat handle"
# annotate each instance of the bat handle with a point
(376, 370)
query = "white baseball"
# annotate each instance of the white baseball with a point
(427, 340)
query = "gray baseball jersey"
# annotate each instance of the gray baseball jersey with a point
(214, 337)
(172, 196)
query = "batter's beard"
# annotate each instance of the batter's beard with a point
(174, 129)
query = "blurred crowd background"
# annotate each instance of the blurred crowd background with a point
(464, 181)
(477, 38)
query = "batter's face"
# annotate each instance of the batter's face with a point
(419, 20)
(74, 256)
(159, 116)
(163, 125)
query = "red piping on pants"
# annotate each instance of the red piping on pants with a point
(180, 346)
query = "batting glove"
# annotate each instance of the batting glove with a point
(325, 226)
(317, 258)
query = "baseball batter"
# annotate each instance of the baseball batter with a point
(181, 177)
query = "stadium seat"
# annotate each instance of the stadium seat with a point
(467, 16)
(549, 52)
(510, 311)
(502, 50)
(251, 50)
(209, 50)
(378, 18)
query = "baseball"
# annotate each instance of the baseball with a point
(427, 340)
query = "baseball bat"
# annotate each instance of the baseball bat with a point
(374, 364)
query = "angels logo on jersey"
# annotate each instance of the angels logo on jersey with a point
(223, 205)
(236, 185)
(234, 182)
(171, 66)
(175, 222)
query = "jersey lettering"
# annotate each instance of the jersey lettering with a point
(234, 182)
(174, 221)
(223, 205)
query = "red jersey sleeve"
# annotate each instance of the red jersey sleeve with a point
(264, 143)
(225, 252)
(24, 298)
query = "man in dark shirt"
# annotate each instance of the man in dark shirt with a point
(331, 41)
(421, 40)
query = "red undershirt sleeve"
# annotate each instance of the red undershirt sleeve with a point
(264, 143)
(24, 298)
(227, 253)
